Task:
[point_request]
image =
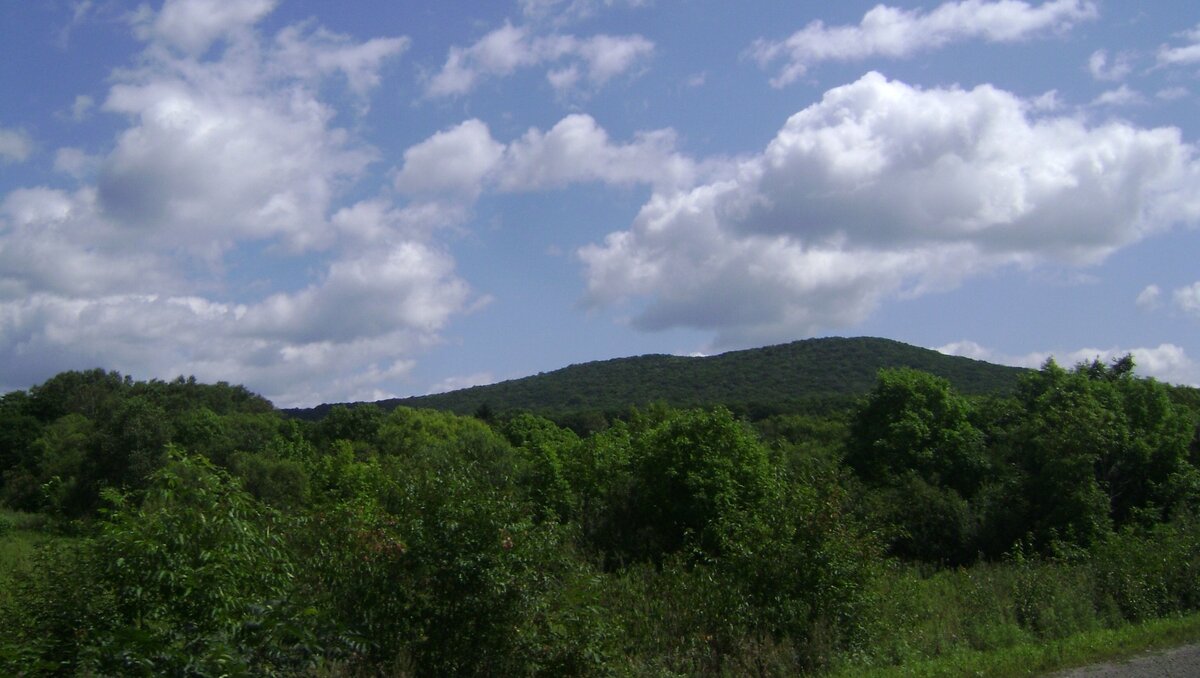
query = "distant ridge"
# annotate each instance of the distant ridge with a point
(781, 378)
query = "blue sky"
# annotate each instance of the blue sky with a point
(354, 201)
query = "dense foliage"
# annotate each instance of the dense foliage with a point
(199, 532)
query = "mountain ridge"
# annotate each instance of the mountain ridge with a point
(780, 377)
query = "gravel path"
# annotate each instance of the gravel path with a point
(1181, 662)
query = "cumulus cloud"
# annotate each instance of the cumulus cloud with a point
(503, 51)
(54, 241)
(1121, 96)
(297, 348)
(898, 33)
(577, 149)
(378, 220)
(1182, 55)
(221, 150)
(461, 382)
(1102, 68)
(409, 286)
(312, 52)
(1187, 299)
(462, 161)
(1165, 362)
(882, 189)
(570, 11)
(453, 161)
(15, 145)
(159, 335)
(194, 25)
(1148, 298)
(74, 162)
(229, 147)
(82, 107)
(1173, 93)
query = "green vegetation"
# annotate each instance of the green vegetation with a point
(20, 534)
(187, 529)
(1041, 658)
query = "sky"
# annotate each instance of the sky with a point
(331, 202)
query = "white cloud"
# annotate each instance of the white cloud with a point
(898, 33)
(74, 162)
(370, 222)
(503, 51)
(150, 335)
(1148, 298)
(563, 79)
(1121, 96)
(459, 163)
(453, 161)
(577, 150)
(1182, 56)
(79, 13)
(461, 382)
(15, 145)
(882, 189)
(193, 25)
(81, 107)
(312, 52)
(608, 56)
(407, 287)
(1187, 299)
(1165, 362)
(1102, 69)
(970, 349)
(1047, 102)
(1173, 93)
(55, 242)
(326, 341)
(569, 11)
(230, 149)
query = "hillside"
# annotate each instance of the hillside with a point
(792, 376)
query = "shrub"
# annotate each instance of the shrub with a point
(188, 577)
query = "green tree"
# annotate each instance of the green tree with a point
(90, 393)
(63, 451)
(357, 423)
(692, 473)
(543, 451)
(19, 487)
(1097, 447)
(913, 421)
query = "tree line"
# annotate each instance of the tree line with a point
(200, 532)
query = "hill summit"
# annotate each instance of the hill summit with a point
(784, 377)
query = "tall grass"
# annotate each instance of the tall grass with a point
(20, 533)
(1036, 658)
(1017, 607)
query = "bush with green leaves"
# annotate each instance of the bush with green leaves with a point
(1143, 574)
(691, 472)
(437, 566)
(188, 577)
(544, 454)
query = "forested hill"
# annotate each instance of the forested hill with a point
(760, 381)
